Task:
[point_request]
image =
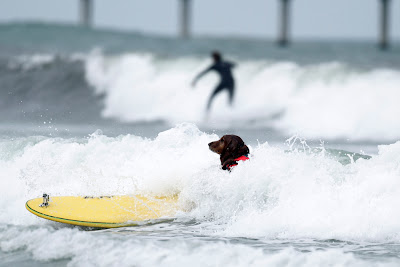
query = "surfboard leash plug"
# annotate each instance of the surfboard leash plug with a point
(46, 199)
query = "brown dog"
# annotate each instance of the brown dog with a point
(231, 149)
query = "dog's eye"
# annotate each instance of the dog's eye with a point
(222, 140)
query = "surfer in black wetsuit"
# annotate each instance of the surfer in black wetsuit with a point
(224, 70)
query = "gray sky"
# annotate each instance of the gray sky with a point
(258, 18)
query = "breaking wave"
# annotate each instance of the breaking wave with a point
(277, 194)
(328, 100)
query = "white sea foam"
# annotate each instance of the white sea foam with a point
(97, 249)
(276, 194)
(293, 195)
(329, 100)
(99, 165)
(39, 60)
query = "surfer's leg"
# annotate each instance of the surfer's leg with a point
(231, 91)
(219, 88)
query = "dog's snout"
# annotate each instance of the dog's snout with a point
(209, 144)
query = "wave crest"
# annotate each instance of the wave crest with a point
(328, 100)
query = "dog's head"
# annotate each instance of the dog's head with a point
(229, 146)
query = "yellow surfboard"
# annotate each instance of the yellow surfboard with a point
(103, 211)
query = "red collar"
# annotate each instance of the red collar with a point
(244, 157)
(241, 158)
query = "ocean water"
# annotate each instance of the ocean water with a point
(101, 112)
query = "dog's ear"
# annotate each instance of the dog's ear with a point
(233, 145)
(243, 150)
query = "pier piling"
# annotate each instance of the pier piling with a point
(185, 18)
(283, 38)
(86, 12)
(384, 24)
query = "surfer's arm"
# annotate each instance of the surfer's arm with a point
(201, 74)
(231, 64)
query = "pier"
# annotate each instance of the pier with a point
(283, 38)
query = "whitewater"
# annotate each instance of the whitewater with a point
(350, 103)
(102, 112)
(311, 198)
(138, 87)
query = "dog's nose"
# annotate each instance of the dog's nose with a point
(209, 144)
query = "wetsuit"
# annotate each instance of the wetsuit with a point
(223, 68)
